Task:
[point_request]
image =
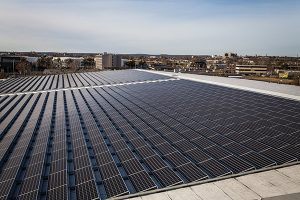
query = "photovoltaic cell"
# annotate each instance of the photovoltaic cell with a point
(192, 172)
(214, 168)
(217, 152)
(115, 186)
(135, 137)
(258, 160)
(155, 163)
(142, 181)
(278, 156)
(236, 164)
(167, 177)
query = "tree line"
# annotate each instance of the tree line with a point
(25, 67)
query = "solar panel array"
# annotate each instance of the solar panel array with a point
(52, 82)
(111, 141)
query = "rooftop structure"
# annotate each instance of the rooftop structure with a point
(110, 134)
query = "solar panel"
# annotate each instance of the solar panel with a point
(177, 159)
(237, 149)
(30, 195)
(184, 145)
(258, 160)
(155, 163)
(146, 152)
(236, 164)
(214, 168)
(132, 166)
(292, 150)
(288, 139)
(278, 156)
(165, 148)
(80, 162)
(125, 154)
(167, 177)
(284, 129)
(30, 184)
(273, 142)
(108, 170)
(57, 193)
(198, 155)
(57, 179)
(217, 152)
(86, 190)
(192, 172)
(238, 137)
(142, 181)
(115, 186)
(255, 145)
(202, 142)
(105, 142)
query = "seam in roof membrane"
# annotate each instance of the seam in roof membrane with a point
(87, 87)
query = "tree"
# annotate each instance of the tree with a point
(142, 64)
(70, 64)
(23, 67)
(130, 63)
(88, 62)
(57, 63)
(45, 62)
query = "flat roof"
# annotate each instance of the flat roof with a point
(100, 135)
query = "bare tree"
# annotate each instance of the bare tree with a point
(88, 62)
(24, 67)
(45, 62)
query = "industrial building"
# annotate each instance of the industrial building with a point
(135, 134)
(251, 69)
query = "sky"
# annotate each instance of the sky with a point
(210, 27)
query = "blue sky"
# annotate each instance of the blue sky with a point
(152, 26)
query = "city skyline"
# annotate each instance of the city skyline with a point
(132, 26)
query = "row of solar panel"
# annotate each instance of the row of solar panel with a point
(116, 131)
(235, 123)
(17, 138)
(288, 158)
(49, 82)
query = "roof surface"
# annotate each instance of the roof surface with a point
(108, 134)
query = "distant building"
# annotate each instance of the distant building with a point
(123, 62)
(199, 64)
(110, 61)
(230, 55)
(116, 61)
(8, 63)
(251, 69)
(106, 60)
(98, 61)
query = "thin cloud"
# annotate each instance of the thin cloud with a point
(132, 26)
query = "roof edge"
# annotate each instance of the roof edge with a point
(205, 181)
